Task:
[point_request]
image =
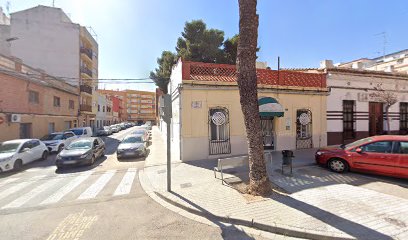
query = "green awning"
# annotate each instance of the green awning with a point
(269, 107)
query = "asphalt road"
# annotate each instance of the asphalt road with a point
(104, 201)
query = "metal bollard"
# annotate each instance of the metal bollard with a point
(287, 156)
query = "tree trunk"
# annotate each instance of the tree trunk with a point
(387, 108)
(247, 83)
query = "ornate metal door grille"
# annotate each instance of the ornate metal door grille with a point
(219, 131)
(304, 136)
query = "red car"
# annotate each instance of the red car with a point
(384, 155)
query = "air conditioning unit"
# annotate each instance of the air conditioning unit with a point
(15, 118)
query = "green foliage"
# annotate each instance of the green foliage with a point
(198, 44)
(161, 75)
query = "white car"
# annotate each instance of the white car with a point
(82, 131)
(16, 153)
(55, 142)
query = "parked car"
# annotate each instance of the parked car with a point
(105, 131)
(384, 155)
(55, 142)
(81, 151)
(132, 146)
(115, 128)
(16, 153)
(82, 131)
(143, 132)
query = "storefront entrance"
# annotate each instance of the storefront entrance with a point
(268, 133)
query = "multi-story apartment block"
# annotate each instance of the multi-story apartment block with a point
(139, 106)
(104, 114)
(393, 62)
(45, 104)
(44, 37)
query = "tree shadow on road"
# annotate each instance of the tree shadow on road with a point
(223, 223)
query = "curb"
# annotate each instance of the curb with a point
(209, 218)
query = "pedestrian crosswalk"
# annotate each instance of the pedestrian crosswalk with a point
(44, 190)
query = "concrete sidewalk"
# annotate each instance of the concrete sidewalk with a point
(329, 206)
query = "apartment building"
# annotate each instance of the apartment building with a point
(45, 37)
(33, 103)
(138, 106)
(393, 62)
(104, 114)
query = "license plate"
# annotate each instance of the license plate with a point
(129, 153)
(69, 162)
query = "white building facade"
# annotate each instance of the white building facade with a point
(355, 108)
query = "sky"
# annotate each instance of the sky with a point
(133, 33)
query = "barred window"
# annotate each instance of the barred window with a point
(219, 131)
(404, 118)
(33, 97)
(348, 119)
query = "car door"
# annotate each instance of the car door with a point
(68, 137)
(401, 150)
(36, 149)
(101, 146)
(27, 155)
(376, 157)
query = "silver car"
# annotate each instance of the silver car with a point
(132, 146)
(82, 151)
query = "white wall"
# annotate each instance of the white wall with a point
(47, 40)
(4, 35)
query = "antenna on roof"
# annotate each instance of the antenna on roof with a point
(8, 7)
(53, 3)
(384, 36)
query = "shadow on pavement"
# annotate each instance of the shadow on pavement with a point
(352, 228)
(209, 216)
(74, 169)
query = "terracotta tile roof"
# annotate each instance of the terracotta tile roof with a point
(227, 73)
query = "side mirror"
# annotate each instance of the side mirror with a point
(25, 150)
(359, 150)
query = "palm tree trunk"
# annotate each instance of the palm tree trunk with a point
(247, 82)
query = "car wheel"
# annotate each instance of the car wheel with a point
(92, 161)
(60, 148)
(338, 165)
(18, 164)
(44, 155)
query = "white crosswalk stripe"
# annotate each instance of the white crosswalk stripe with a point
(18, 187)
(57, 196)
(7, 181)
(126, 184)
(33, 193)
(95, 188)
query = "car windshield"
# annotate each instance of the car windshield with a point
(357, 143)
(80, 145)
(132, 140)
(8, 147)
(106, 128)
(52, 137)
(140, 131)
(77, 131)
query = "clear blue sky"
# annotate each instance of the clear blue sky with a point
(133, 33)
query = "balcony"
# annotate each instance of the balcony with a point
(87, 52)
(86, 89)
(85, 108)
(86, 70)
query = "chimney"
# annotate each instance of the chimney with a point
(326, 64)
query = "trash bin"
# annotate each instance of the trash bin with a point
(287, 156)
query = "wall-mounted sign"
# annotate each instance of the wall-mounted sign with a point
(288, 123)
(196, 104)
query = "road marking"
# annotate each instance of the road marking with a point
(57, 196)
(33, 193)
(18, 187)
(73, 226)
(7, 181)
(126, 184)
(95, 188)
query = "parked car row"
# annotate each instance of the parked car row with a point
(135, 143)
(115, 128)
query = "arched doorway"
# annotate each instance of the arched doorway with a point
(269, 110)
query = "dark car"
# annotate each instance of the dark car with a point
(132, 146)
(383, 155)
(81, 151)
